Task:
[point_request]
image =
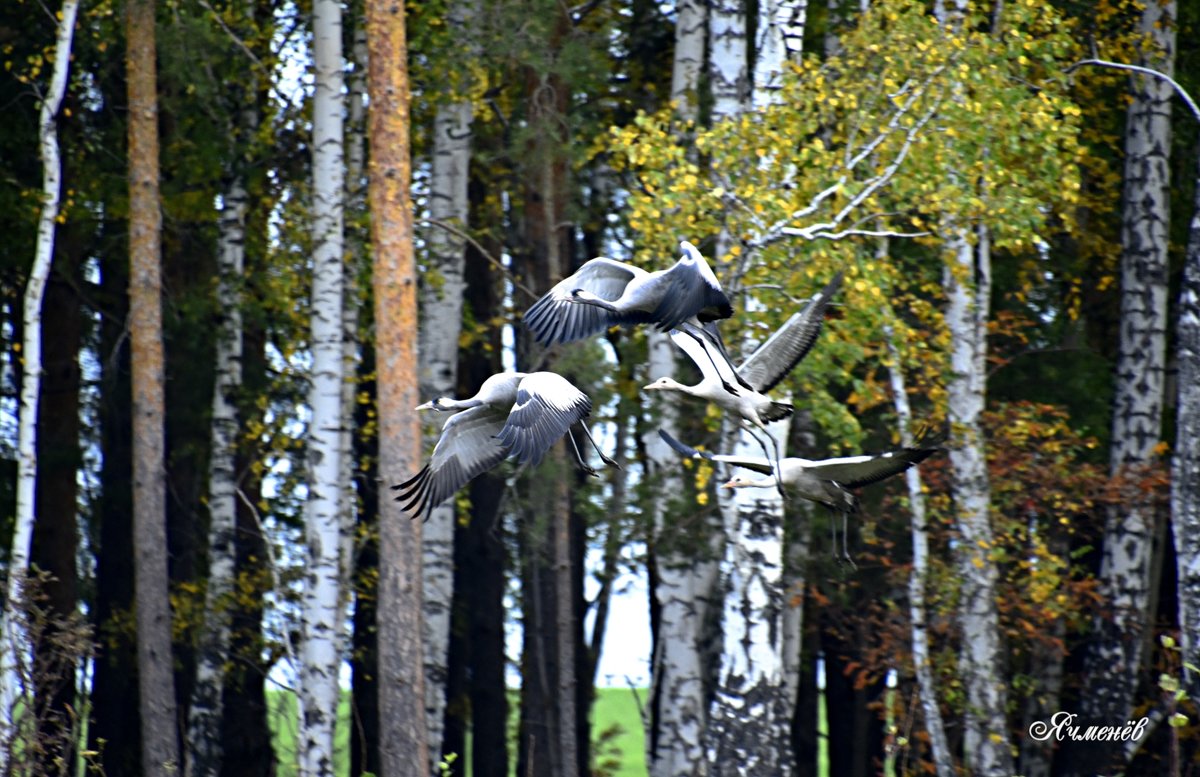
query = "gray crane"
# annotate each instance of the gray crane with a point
(514, 415)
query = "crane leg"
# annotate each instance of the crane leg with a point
(579, 458)
(775, 462)
(609, 461)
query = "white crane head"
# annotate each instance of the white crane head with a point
(664, 384)
(437, 403)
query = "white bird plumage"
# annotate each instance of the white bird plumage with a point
(824, 481)
(513, 415)
(740, 392)
(605, 292)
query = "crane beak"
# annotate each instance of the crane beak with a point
(727, 485)
(426, 406)
(650, 387)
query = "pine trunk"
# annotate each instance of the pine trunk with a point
(13, 638)
(968, 289)
(403, 736)
(322, 621)
(441, 324)
(1185, 466)
(481, 580)
(1112, 667)
(160, 746)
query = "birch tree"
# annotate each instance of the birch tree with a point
(1185, 465)
(918, 615)
(441, 324)
(160, 751)
(403, 735)
(687, 567)
(203, 740)
(1113, 665)
(322, 624)
(12, 636)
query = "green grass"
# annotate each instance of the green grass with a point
(618, 739)
(616, 731)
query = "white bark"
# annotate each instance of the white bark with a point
(691, 18)
(203, 741)
(750, 728)
(779, 39)
(13, 638)
(1185, 465)
(441, 325)
(323, 624)
(968, 289)
(727, 66)
(687, 581)
(943, 759)
(1112, 668)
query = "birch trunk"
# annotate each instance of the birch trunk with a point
(749, 732)
(1185, 466)
(685, 589)
(441, 325)
(968, 289)
(323, 621)
(1113, 666)
(729, 73)
(686, 595)
(13, 638)
(691, 18)
(943, 759)
(203, 740)
(403, 737)
(160, 749)
(779, 38)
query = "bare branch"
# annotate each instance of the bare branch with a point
(288, 647)
(482, 252)
(1183, 93)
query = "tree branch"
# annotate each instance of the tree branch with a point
(482, 252)
(1183, 93)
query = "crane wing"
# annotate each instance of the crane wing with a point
(466, 448)
(854, 471)
(547, 404)
(690, 290)
(784, 349)
(556, 318)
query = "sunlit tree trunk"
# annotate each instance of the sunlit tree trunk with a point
(160, 746)
(1185, 466)
(404, 740)
(203, 739)
(1113, 665)
(441, 324)
(322, 622)
(13, 638)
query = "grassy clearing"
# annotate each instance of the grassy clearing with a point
(616, 730)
